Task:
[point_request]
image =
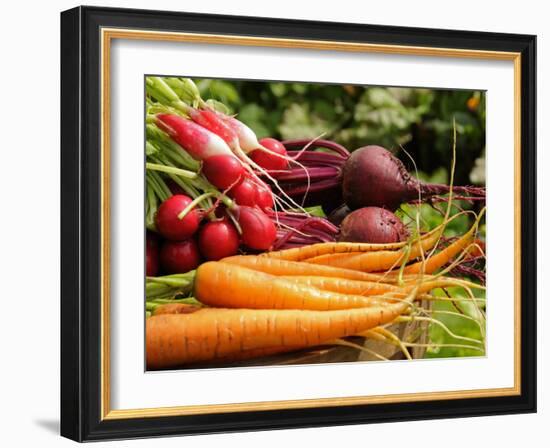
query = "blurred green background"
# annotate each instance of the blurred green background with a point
(417, 120)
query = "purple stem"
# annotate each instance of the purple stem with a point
(462, 270)
(305, 229)
(300, 175)
(436, 199)
(313, 187)
(324, 224)
(435, 189)
(290, 245)
(317, 157)
(300, 143)
(289, 233)
(318, 234)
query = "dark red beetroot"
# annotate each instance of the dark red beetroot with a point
(218, 239)
(222, 170)
(269, 161)
(373, 176)
(370, 176)
(258, 231)
(372, 225)
(168, 223)
(151, 254)
(178, 257)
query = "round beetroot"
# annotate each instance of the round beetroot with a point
(244, 193)
(372, 225)
(373, 176)
(222, 170)
(151, 254)
(218, 239)
(178, 257)
(270, 161)
(258, 230)
(168, 223)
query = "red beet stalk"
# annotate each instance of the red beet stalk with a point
(298, 229)
(369, 176)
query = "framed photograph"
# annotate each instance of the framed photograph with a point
(277, 224)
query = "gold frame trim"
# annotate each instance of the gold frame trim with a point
(107, 35)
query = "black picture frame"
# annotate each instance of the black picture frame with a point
(81, 210)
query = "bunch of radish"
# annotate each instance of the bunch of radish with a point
(206, 194)
(185, 235)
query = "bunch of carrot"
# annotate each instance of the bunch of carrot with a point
(256, 305)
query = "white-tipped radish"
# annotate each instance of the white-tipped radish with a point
(236, 134)
(247, 138)
(198, 141)
(221, 167)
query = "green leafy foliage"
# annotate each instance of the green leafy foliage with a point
(455, 318)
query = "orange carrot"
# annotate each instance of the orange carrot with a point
(345, 286)
(316, 250)
(175, 308)
(215, 333)
(441, 258)
(379, 260)
(231, 286)
(276, 266)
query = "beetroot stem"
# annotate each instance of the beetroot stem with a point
(300, 175)
(314, 187)
(328, 144)
(435, 189)
(317, 157)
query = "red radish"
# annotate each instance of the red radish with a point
(268, 160)
(247, 138)
(218, 239)
(199, 142)
(223, 170)
(151, 255)
(168, 223)
(264, 197)
(220, 166)
(213, 121)
(228, 129)
(258, 231)
(372, 225)
(244, 193)
(242, 140)
(178, 257)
